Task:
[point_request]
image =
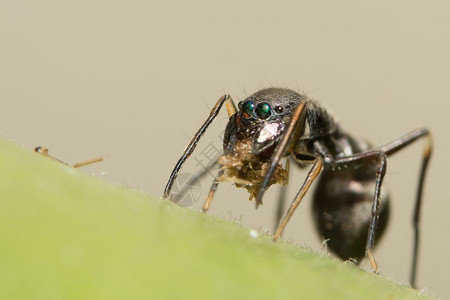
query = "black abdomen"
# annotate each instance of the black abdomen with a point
(342, 206)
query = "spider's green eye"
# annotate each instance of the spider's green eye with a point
(263, 110)
(247, 109)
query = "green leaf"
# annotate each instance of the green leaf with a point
(67, 235)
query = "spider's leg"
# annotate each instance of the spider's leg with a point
(44, 151)
(312, 175)
(379, 156)
(359, 160)
(231, 107)
(281, 199)
(88, 162)
(392, 148)
(288, 141)
(194, 141)
(212, 191)
(176, 197)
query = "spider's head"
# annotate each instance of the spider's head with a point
(260, 122)
(251, 136)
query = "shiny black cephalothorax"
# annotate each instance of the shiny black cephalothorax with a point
(274, 125)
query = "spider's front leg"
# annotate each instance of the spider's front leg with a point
(196, 138)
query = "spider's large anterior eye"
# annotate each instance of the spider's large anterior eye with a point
(247, 109)
(263, 110)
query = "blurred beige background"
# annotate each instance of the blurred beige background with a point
(134, 80)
